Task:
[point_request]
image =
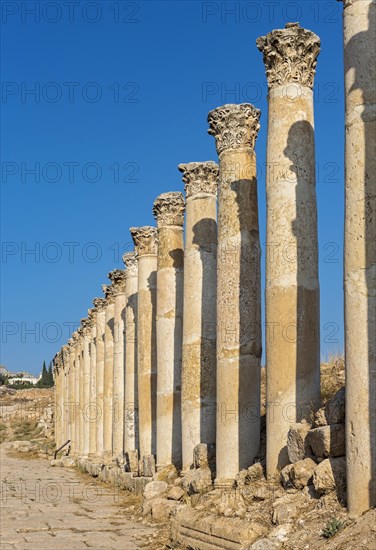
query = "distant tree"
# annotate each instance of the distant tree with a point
(45, 381)
(3, 379)
(50, 376)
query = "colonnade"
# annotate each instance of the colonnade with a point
(170, 357)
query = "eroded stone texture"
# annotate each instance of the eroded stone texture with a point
(77, 404)
(58, 375)
(72, 396)
(292, 287)
(130, 336)
(168, 211)
(199, 312)
(65, 395)
(117, 277)
(146, 244)
(360, 253)
(100, 306)
(92, 411)
(108, 372)
(85, 407)
(235, 129)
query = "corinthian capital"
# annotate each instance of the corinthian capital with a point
(99, 304)
(109, 292)
(200, 177)
(117, 277)
(169, 209)
(290, 55)
(347, 3)
(234, 126)
(145, 239)
(130, 262)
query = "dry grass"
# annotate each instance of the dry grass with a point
(332, 377)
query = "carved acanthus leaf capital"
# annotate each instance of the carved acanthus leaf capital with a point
(65, 354)
(117, 277)
(58, 362)
(92, 315)
(169, 209)
(109, 292)
(130, 262)
(145, 239)
(200, 177)
(100, 304)
(290, 55)
(347, 3)
(234, 126)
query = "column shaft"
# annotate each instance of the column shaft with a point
(94, 413)
(145, 240)
(198, 391)
(118, 278)
(169, 212)
(108, 375)
(131, 369)
(360, 254)
(100, 305)
(72, 388)
(238, 292)
(292, 286)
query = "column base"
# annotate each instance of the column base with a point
(224, 483)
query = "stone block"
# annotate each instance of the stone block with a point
(175, 493)
(162, 509)
(197, 481)
(155, 489)
(148, 465)
(131, 461)
(334, 410)
(296, 441)
(200, 456)
(327, 441)
(301, 473)
(330, 475)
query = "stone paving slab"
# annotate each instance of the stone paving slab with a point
(55, 509)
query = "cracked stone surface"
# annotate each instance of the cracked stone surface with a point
(44, 507)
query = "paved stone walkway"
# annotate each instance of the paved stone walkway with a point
(54, 509)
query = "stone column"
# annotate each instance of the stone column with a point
(108, 373)
(93, 410)
(65, 394)
(118, 284)
(57, 372)
(292, 286)
(77, 403)
(85, 407)
(198, 389)
(81, 392)
(72, 397)
(360, 253)
(100, 306)
(130, 330)
(235, 128)
(168, 210)
(146, 244)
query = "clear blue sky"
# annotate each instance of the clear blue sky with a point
(121, 95)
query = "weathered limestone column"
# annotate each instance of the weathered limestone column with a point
(72, 397)
(198, 389)
(146, 243)
(360, 253)
(77, 403)
(108, 374)
(168, 210)
(65, 394)
(57, 371)
(100, 305)
(235, 128)
(130, 332)
(93, 410)
(292, 285)
(117, 277)
(81, 391)
(85, 407)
